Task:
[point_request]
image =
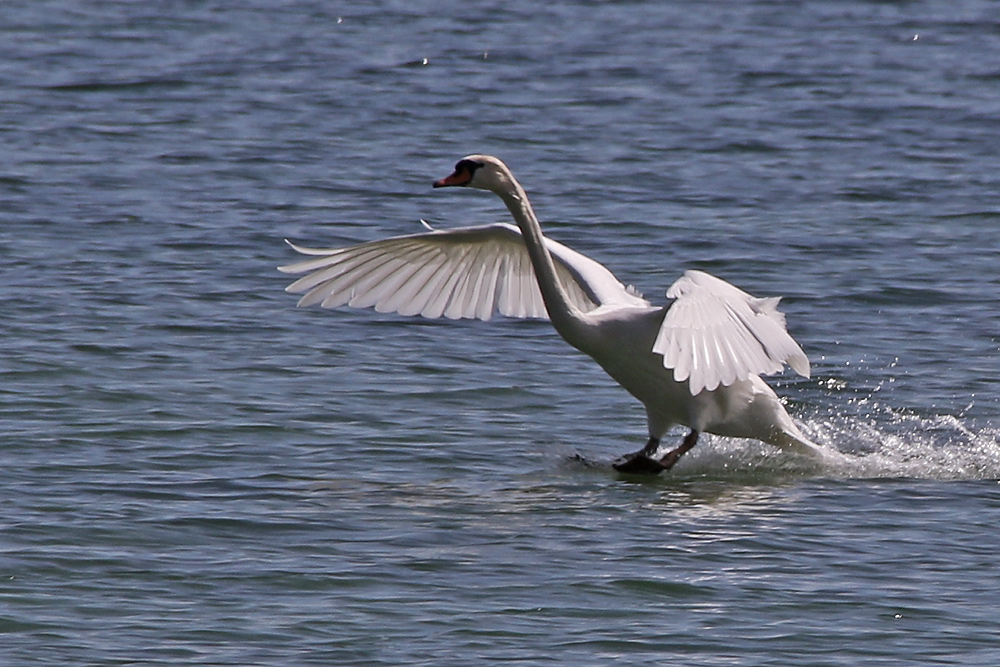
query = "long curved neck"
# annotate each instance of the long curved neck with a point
(568, 320)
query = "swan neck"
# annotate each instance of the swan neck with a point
(565, 316)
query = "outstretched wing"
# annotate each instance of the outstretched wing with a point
(715, 334)
(471, 272)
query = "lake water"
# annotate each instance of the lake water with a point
(196, 472)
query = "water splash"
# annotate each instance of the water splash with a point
(895, 443)
(888, 444)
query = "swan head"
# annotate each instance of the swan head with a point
(483, 172)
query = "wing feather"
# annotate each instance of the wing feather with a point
(470, 272)
(460, 298)
(371, 283)
(716, 334)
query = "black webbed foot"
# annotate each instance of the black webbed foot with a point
(639, 464)
(642, 463)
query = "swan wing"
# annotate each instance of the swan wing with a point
(470, 272)
(716, 334)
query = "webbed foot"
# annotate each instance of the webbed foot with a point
(639, 464)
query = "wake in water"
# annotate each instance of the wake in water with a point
(900, 444)
(893, 444)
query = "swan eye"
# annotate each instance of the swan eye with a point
(468, 165)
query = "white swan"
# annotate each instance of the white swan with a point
(695, 362)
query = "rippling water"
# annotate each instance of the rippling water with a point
(196, 472)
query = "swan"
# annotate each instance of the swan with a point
(695, 362)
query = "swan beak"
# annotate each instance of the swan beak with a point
(461, 176)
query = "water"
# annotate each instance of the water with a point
(195, 472)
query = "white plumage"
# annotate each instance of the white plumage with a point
(472, 272)
(715, 334)
(710, 343)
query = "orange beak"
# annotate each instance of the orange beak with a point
(461, 176)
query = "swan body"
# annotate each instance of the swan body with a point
(696, 361)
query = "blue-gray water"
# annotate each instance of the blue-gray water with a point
(196, 472)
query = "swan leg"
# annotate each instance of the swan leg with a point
(648, 450)
(671, 457)
(641, 463)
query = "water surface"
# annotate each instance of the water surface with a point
(196, 472)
